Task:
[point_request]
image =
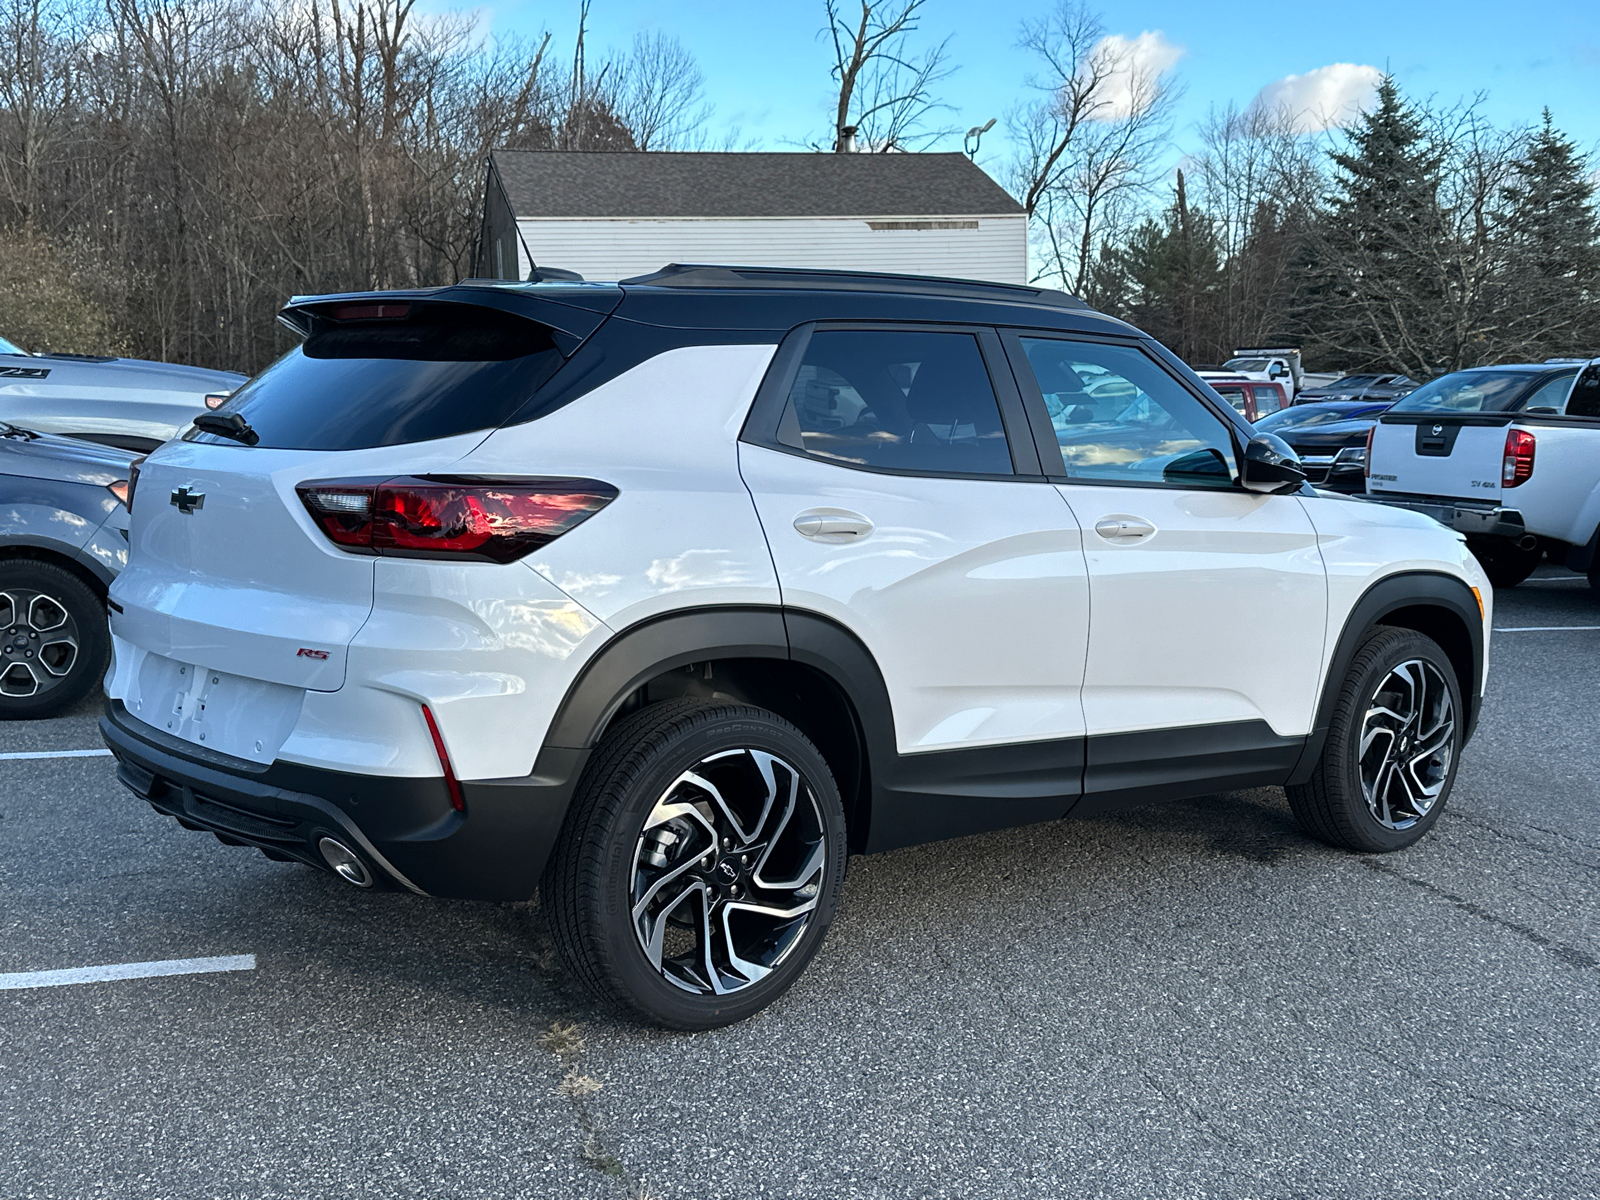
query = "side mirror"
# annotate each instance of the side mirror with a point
(1270, 465)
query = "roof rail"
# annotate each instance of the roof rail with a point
(702, 275)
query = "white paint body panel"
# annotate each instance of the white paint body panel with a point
(682, 532)
(970, 594)
(1471, 471)
(1363, 543)
(1220, 615)
(617, 248)
(1561, 499)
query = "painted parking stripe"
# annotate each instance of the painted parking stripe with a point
(1549, 629)
(134, 970)
(55, 754)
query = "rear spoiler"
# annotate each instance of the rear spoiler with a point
(571, 313)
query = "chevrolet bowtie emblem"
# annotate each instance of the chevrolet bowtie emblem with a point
(187, 502)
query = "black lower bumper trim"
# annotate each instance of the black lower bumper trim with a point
(406, 827)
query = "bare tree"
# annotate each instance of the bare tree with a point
(213, 157)
(1089, 142)
(887, 88)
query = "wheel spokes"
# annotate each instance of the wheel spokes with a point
(705, 911)
(1406, 745)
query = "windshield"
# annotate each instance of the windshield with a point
(1247, 364)
(1469, 392)
(10, 347)
(1308, 418)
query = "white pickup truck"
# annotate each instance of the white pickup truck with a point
(1508, 455)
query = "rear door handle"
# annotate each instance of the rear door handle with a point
(1123, 529)
(835, 524)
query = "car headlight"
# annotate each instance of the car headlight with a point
(1352, 455)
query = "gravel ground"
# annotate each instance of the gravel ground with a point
(1184, 1000)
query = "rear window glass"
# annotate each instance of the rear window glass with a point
(908, 401)
(1470, 392)
(439, 371)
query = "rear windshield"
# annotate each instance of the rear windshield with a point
(1308, 418)
(1470, 392)
(437, 371)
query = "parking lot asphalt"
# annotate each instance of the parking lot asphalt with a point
(1189, 999)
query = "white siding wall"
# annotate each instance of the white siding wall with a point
(605, 248)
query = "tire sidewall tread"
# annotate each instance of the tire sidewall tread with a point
(1330, 805)
(94, 636)
(584, 887)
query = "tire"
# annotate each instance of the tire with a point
(54, 643)
(1503, 561)
(1406, 669)
(646, 856)
(1594, 575)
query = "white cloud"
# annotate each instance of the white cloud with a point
(1323, 98)
(1132, 67)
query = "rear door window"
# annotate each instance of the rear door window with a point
(433, 371)
(908, 401)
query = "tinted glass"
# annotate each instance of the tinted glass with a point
(8, 348)
(1268, 401)
(1552, 394)
(1310, 416)
(442, 371)
(912, 401)
(1469, 392)
(1233, 393)
(1119, 417)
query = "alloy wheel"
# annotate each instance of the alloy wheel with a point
(39, 642)
(1407, 744)
(727, 871)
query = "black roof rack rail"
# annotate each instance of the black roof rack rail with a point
(701, 275)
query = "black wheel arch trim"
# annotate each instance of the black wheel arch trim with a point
(1389, 595)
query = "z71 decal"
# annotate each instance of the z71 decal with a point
(24, 372)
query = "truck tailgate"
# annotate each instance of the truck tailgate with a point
(1437, 455)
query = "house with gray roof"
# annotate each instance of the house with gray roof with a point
(611, 215)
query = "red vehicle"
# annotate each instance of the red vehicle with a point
(1251, 398)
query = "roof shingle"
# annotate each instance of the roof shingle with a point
(644, 184)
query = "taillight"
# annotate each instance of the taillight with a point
(216, 400)
(452, 517)
(1366, 458)
(1517, 465)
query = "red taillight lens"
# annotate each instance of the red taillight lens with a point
(1366, 459)
(490, 520)
(215, 400)
(1517, 466)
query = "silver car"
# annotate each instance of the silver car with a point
(123, 402)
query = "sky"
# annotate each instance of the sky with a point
(766, 70)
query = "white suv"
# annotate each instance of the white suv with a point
(659, 597)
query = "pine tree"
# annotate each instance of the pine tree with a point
(1166, 280)
(1376, 288)
(1551, 236)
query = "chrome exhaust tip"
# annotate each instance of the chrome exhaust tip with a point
(345, 862)
(1527, 542)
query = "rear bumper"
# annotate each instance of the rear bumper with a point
(1464, 516)
(405, 827)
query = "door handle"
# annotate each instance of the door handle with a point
(835, 524)
(1123, 529)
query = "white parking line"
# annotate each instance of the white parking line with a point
(57, 754)
(136, 970)
(1548, 629)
